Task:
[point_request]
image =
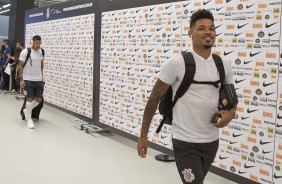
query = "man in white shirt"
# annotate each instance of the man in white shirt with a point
(31, 77)
(195, 139)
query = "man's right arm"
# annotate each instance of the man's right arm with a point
(158, 91)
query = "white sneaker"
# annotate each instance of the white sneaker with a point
(30, 124)
(25, 114)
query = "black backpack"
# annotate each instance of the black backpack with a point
(166, 104)
(29, 53)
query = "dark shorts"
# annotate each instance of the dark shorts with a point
(193, 160)
(33, 89)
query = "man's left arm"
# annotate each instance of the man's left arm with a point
(227, 115)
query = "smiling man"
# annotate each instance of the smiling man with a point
(195, 139)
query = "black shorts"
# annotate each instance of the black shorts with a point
(34, 89)
(193, 160)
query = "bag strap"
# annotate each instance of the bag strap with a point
(27, 56)
(220, 68)
(43, 52)
(190, 70)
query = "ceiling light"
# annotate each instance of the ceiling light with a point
(6, 6)
(4, 11)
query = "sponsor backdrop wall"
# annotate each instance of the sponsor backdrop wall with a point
(67, 32)
(135, 43)
(135, 38)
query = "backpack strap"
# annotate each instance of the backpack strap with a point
(190, 70)
(27, 56)
(220, 68)
(43, 52)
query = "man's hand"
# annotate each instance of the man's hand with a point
(226, 117)
(142, 147)
(22, 84)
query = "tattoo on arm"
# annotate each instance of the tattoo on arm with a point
(21, 65)
(158, 91)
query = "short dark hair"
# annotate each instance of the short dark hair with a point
(36, 37)
(6, 41)
(200, 14)
(21, 43)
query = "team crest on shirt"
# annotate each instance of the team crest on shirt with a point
(188, 175)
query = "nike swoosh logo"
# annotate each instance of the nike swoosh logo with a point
(167, 7)
(218, 26)
(138, 11)
(266, 152)
(271, 34)
(222, 158)
(243, 118)
(207, 2)
(270, 25)
(227, 53)
(192, 11)
(149, 91)
(122, 86)
(186, 4)
(248, 167)
(279, 117)
(249, 6)
(143, 30)
(218, 34)
(265, 84)
(123, 49)
(151, 9)
(247, 62)
(158, 29)
(137, 50)
(163, 137)
(125, 12)
(276, 177)
(279, 125)
(251, 111)
(174, 29)
(242, 172)
(237, 34)
(170, 13)
(142, 70)
(217, 9)
(131, 30)
(134, 127)
(267, 94)
(239, 81)
(263, 143)
(166, 144)
(150, 50)
(156, 72)
(241, 26)
(165, 51)
(170, 35)
(252, 55)
(233, 142)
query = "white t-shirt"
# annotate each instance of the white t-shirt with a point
(192, 112)
(32, 70)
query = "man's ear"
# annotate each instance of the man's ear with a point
(190, 33)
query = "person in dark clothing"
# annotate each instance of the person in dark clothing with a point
(5, 61)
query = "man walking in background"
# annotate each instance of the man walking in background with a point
(195, 139)
(31, 77)
(5, 62)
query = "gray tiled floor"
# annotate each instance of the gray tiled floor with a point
(57, 153)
